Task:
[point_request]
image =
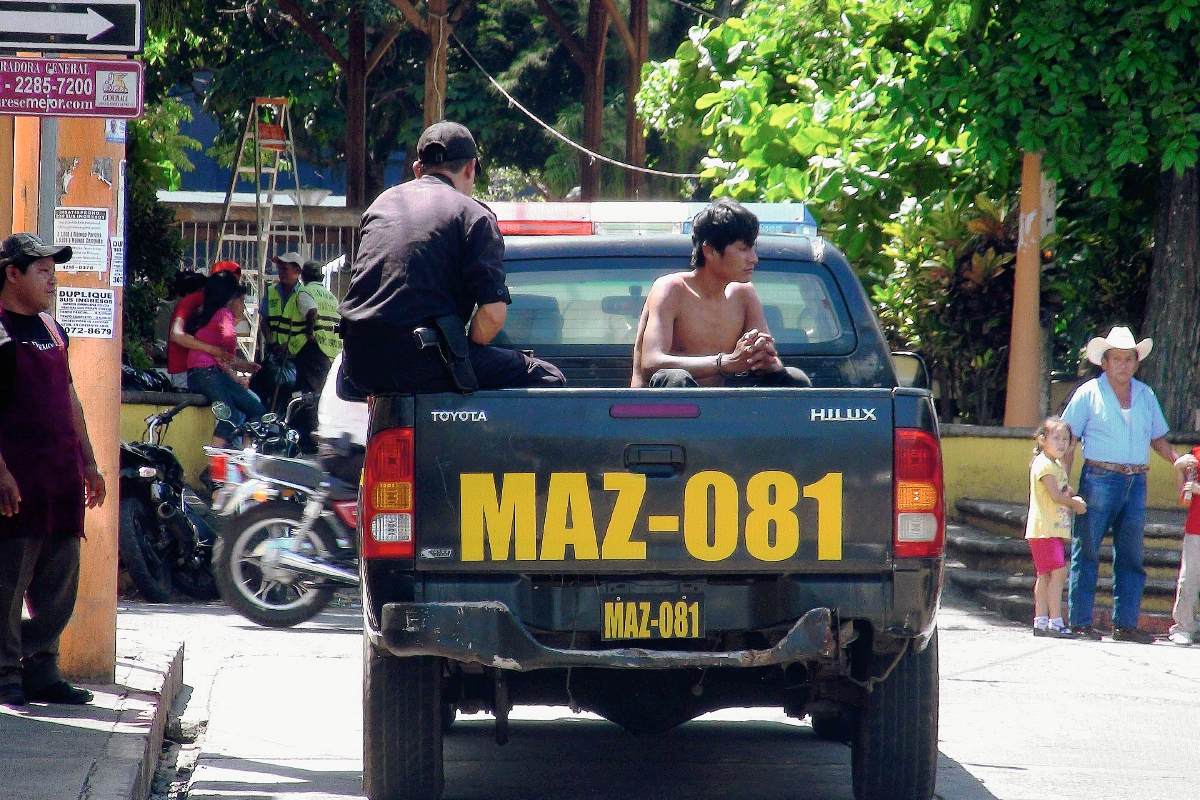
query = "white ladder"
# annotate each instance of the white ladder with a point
(266, 149)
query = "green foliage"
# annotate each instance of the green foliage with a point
(950, 297)
(155, 155)
(562, 166)
(1096, 85)
(806, 101)
(511, 184)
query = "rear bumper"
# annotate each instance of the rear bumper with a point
(489, 633)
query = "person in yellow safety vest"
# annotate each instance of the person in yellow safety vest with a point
(312, 310)
(320, 323)
(280, 329)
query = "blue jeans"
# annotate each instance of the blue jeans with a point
(216, 384)
(1115, 502)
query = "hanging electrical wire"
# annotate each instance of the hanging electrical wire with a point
(565, 140)
(699, 11)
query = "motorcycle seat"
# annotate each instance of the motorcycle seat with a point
(292, 471)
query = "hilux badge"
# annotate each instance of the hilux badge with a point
(458, 416)
(841, 415)
(437, 552)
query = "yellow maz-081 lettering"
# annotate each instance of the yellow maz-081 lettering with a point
(499, 523)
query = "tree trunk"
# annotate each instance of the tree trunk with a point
(593, 99)
(1173, 304)
(439, 30)
(356, 111)
(635, 137)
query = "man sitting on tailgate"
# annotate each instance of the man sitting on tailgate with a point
(706, 327)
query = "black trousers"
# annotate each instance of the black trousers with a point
(44, 572)
(381, 363)
(312, 366)
(682, 379)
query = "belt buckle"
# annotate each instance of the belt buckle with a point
(1125, 469)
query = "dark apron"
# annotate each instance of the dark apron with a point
(38, 441)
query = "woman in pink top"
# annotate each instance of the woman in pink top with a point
(215, 323)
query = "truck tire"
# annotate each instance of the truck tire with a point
(894, 752)
(135, 544)
(402, 726)
(269, 596)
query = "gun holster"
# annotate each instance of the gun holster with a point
(449, 336)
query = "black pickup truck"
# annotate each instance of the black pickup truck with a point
(652, 555)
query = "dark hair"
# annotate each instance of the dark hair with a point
(312, 271)
(721, 224)
(187, 282)
(21, 262)
(1049, 424)
(218, 291)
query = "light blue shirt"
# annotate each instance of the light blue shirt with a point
(1094, 414)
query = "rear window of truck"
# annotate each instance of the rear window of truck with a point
(598, 301)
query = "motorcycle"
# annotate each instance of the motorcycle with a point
(265, 435)
(289, 539)
(164, 539)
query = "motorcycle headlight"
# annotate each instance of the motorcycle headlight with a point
(147, 472)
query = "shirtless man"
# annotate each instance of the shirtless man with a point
(706, 327)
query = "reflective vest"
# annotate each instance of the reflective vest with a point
(328, 319)
(285, 323)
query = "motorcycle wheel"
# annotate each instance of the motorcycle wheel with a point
(269, 595)
(149, 572)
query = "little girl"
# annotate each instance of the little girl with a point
(1051, 502)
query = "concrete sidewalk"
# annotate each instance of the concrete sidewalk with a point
(107, 750)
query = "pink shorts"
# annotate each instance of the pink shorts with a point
(1048, 554)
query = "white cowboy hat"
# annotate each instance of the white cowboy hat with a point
(1117, 339)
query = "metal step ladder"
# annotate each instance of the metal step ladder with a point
(265, 150)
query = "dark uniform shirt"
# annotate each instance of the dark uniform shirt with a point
(427, 250)
(27, 329)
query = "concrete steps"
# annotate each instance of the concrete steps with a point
(988, 558)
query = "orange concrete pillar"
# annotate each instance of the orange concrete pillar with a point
(6, 174)
(94, 182)
(1025, 368)
(26, 147)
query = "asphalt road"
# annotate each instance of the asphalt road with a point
(1021, 719)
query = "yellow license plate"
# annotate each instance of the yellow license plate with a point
(654, 616)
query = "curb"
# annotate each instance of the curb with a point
(148, 679)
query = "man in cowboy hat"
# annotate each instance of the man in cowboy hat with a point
(1120, 421)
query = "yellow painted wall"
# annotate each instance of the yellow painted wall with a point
(985, 468)
(187, 434)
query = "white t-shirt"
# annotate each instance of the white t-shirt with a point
(336, 416)
(305, 302)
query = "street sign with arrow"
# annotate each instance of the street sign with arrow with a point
(98, 26)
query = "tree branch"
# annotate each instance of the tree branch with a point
(564, 34)
(381, 47)
(622, 29)
(411, 14)
(305, 23)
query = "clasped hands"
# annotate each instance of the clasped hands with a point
(754, 352)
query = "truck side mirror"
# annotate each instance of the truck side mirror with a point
(911, 371)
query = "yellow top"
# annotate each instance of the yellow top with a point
(1047, 519)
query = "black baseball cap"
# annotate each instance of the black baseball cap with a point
(30, 247)
(446, 141)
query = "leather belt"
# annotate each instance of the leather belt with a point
(1124, 469)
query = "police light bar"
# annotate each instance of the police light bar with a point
(632, 218)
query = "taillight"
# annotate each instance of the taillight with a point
(920, 510)
(222, 470)
(387, 496)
